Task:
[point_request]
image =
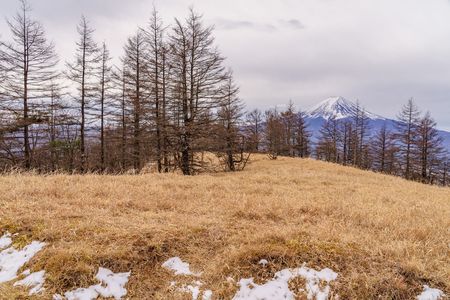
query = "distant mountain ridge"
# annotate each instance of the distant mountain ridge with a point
(342, 109)
(339, 108)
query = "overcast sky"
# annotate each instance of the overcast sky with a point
(381, 52)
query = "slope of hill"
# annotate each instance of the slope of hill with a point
(380, 237)
(343, 109)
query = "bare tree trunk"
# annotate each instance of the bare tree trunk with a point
(29, 61)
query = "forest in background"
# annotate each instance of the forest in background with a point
(170, 100)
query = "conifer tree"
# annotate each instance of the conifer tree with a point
(83, 72)
(28, 67)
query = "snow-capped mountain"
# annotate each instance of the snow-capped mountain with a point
(341, 109)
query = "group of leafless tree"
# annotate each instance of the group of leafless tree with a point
(413, 149)
(278, 133)
(169, 100)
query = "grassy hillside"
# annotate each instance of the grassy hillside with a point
(384, 236)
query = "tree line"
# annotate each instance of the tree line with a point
(170, 99)
(412, 148)
(168, 102)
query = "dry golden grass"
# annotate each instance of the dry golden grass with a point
(386, 237)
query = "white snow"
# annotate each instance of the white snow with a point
(181, 268)
(26, 272)
(35, 281)
(207, 295)
(278, 288)
(178, 266)
(263, 262)
(5, 241)
(275, 290)
(313, 279)
(339, 108)
(430, 294)
(195, 290)
(81, 294)
(114, 283)
(11, 260)
(112, 286)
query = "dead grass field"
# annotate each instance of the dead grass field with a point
(386, 237)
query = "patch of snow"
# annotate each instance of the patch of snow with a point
(178, 266)
(430, 294)
(114, 283)
(11, 260)
(35, 281)
(81, 294)
(313, 279)
(194, 289)
(338, 108)
(26, 272)
(207, 295)
(5, 241)
(263, 262)
(112, 286)
(278, 288)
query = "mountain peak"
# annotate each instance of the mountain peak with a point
(337, 107)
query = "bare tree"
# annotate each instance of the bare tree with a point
(105, 85)
(445, 166)
(429, 145)
(274, 134)
(289, 118)
(359, 135)
(136, 87)
(302, 136)
(328, 144)
(157, 68)
(198, 75)
(29, 62)
(407, 124)
(383, 150)
(230, 144)
(83, 72)
(254, 129)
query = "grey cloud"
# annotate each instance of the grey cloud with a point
(381, 52)
(292, 23)
(226, 24)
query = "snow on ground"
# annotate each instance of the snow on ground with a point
(263, 262)
(111, 285)
(5, 241)
(194, 289)
(313, 279)
(11, 259)
(35, 281)
(207, 295)
(114, 283)
(79, 294)
(278, 288)
(430, 294)
(178, 266)
(182, 268)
